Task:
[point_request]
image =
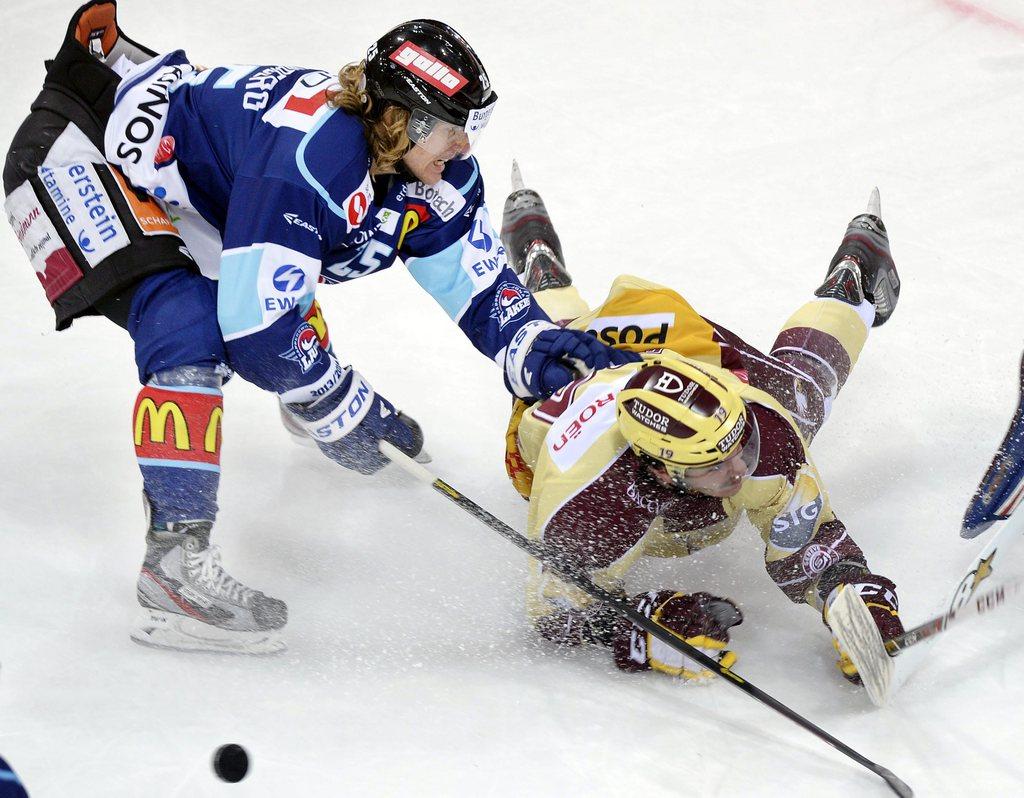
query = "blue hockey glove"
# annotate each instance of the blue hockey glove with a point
(559, 356)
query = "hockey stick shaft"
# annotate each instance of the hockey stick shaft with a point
(552, 559)
(983, 565)
(980, 604)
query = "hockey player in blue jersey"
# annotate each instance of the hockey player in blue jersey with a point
(200, 208)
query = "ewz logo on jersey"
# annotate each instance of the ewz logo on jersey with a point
(478, 236)
(287, 279)
(511, 301)
(305, 349)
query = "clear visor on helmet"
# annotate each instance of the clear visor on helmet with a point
(734, 468)
(443, 139)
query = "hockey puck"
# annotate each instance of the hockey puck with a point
(231, 763)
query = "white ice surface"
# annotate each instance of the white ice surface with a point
(716, 147)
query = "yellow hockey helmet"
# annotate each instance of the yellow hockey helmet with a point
(681, 415)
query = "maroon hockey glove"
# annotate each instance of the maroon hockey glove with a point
(879, 595)
(702, 620)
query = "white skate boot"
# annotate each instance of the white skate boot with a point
(190, 603)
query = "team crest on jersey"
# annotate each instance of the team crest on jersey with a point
(305, 349)
(511, 301)
(818, 558)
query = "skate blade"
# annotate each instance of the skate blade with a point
(858, 636)
(875, 203)
(517, 177)
(167, 630)
(423, 457)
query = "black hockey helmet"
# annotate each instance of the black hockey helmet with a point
(425, 64)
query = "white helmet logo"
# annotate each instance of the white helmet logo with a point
(669, 383)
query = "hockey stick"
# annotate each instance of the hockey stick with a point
(983, 565)
(554, 560)
(999, 493)
(980, 604)
(1002, 487)
(858, 636)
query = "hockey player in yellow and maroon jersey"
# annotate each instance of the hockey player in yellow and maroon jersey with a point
(663, 457)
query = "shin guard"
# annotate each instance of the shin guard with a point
(177, 433)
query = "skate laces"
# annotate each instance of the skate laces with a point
(214, 578)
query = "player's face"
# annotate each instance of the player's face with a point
(722, 481)
(428, 167)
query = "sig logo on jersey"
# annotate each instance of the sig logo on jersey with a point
(510, 302)
(795, 524)
(357, 204)
(793, 527)
(305, 349)
(288, 278)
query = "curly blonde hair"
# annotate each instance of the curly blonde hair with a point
(385, 128)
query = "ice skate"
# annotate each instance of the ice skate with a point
(190, 603)
(530, 240)
(862, 267)
(294, 427)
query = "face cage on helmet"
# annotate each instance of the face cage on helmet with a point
(442, 139)
(749, 452)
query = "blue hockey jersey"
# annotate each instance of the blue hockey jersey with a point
(272, 191)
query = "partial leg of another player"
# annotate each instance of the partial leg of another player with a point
(819, 344)
(535, 253)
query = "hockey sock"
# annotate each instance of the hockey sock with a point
(822, 342)
(177, 432)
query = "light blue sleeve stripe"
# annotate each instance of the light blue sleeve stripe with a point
(232, 75)
(188, 389)
(195, 79)
(300, 162)
(238, 299)
(443, 277)
(147, 461)
(464, 190)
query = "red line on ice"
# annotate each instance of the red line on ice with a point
(968, 9)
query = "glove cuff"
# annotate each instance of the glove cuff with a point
(515, 356)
